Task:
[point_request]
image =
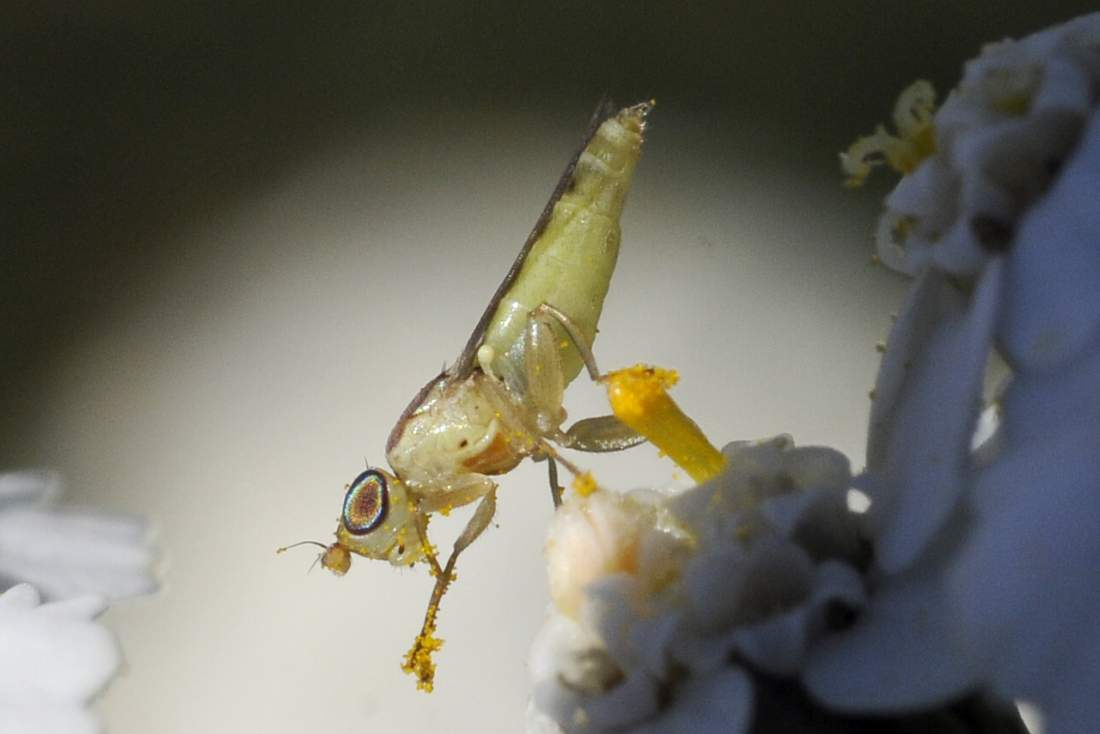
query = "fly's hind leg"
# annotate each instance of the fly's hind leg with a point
(555, 488)
(600, 434)
(418, 660)
(545, 387)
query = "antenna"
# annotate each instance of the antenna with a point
(285, 548)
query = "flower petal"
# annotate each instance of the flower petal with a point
(32, 486)
(18, 718)
(922, 452)
(69, 553)
(818, 520)
(931, 301)
(632, 701)
(563, 669)
(717, 703)
(1037, 405)
(1052, 304)
(778, 644)
(1023, 590)
(589, 538)
(1075, 707)
(900, 656)
(52, 658)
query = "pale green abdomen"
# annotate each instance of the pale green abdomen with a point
(570, 264)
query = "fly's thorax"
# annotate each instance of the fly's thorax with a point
(378, 520)
(472, 426)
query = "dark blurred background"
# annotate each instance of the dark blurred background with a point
(122, 120)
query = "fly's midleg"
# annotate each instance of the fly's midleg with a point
(555, 488)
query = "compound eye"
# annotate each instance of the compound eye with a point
(366, 502)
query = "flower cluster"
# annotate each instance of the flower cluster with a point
(971, 580)
(65, 552)
(667, 605)
(54, 659)
(988, 554)
(988, 155)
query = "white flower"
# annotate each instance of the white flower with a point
(986, 556)
(53, 661)
(981, 580)
(927, 401)
(989, 154)
(1025, 588)
(67, 552)
(674, 603)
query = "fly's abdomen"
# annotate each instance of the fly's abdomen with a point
(570, 264)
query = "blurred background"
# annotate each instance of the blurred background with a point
(237, 237)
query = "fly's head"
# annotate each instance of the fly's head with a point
(379, 520)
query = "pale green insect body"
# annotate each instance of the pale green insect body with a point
(501, 401)
(466, 429)
(462, 433)
(570, 265)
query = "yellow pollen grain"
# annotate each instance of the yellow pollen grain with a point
(585, 484)
(639, 398)
(418, 660)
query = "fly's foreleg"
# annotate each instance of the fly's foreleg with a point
(418, 660)
(546, 386)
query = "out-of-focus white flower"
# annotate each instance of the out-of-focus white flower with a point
(68, 552)
(666, 606)
(927, 401)
(981, 579)
(986, 556)
(1024, 589)
(988, 155)
(54, 659)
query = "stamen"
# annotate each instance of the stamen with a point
(639, 399)
(585, 484)
(915, 141)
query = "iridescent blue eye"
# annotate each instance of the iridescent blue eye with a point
(366, 502)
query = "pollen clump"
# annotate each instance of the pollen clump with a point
(639, 398)
(418, 660)
(585, 484)
(915, 139)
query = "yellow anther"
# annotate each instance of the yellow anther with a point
(585, 484)
(915, 139)
(639, 399)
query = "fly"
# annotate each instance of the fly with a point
(501, 401)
